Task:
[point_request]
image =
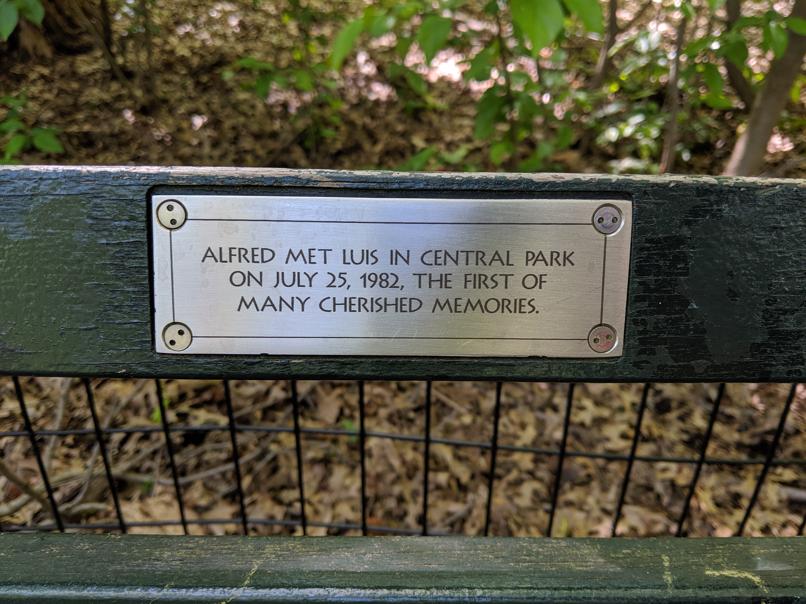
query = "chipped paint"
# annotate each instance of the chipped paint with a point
(740, 574)
(163, 568)
(667, 572)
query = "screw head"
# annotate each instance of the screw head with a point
(177, 336)
(171, 214)
(607, 219)
(602, 338)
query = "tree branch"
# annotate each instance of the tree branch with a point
(604, 63)
(673, 100)
(23, 486)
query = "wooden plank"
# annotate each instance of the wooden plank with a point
(62, 568)
(716, 290)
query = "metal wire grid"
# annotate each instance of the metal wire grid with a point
(493, 446)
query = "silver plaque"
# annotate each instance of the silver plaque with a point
(284, 275)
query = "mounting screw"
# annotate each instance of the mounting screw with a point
(602, 338)
(177, 336)
(171, 214)
(607, 219)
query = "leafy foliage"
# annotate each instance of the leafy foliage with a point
(309, 76)
(17, 136)
(516, 116)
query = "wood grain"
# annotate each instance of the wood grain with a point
(717, 281)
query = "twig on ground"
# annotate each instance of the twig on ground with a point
(23, 486)
(66, 384)
(96, 449)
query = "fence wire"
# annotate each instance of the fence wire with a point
(491, 448)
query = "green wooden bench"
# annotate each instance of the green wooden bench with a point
(716, 293)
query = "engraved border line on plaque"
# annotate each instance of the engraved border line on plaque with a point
(519, 224)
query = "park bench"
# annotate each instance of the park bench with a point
(714, 290)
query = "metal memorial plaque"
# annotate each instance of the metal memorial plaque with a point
(283, 275)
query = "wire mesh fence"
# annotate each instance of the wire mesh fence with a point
(409, 458)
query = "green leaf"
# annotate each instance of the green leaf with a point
(745, 21)
(589, 11)
(304, 80)
(418, 161)
(500, 151)
(715, 4)
(540, 21)
(717, 102)
(527, 107)
(433, 34)
(565, 136)
(253, 64)
(488, 111)
(712, 77)
(32, 10)
(15, 144)
(344, 42)
(693, 49)
(491, 8)
(411, 78)
(45, 140)
(734, 47)
(279, 80)
(482, 63)
(713, 80)
(15, 102)
(454, 157)
(380, 25)
(11, 124)
(262, 85)
(402, 46)
(775, 38)
(536, 160)
(797, 25)
(9, 16)
(794, 92)
(407, 10)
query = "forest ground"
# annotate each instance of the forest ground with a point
(602, 421)
(197, 117)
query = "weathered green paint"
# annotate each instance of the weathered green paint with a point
(107, 568)
(716, 290)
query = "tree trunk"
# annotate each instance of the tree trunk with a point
(63, 29)
(106, 25)
(673, 101)
(748, 153)
(736, 78)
